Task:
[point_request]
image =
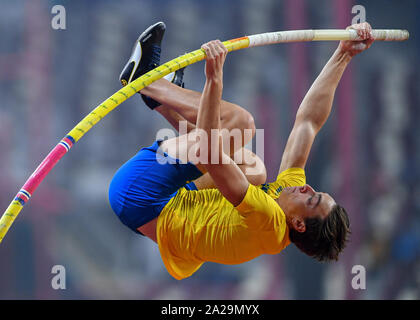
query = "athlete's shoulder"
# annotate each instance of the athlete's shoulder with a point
(257, 200)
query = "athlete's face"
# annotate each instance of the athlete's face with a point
(299, 203)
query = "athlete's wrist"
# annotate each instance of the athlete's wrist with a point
(215, 80)
(343, 55)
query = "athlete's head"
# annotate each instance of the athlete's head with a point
(318, 225)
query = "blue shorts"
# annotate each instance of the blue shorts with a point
(144, 185)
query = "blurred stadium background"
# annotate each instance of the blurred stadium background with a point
(367, 155)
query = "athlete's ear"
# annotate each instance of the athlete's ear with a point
(298, 224)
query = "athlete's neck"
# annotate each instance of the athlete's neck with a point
(281, 201)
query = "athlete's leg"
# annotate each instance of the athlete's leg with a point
(174, 118)
(185, 102)
(250, 164)
(170, 95)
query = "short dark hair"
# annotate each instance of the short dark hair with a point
(324, 239)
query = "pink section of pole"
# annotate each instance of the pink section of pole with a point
(44, 168)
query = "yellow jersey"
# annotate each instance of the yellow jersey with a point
(199, 226)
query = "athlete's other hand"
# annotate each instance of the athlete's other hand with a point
(364, 30)
(215, 58)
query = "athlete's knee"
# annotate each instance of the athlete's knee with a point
(248, 122)
(237, 117)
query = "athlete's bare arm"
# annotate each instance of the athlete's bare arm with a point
(227, 176)
(316, 106)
